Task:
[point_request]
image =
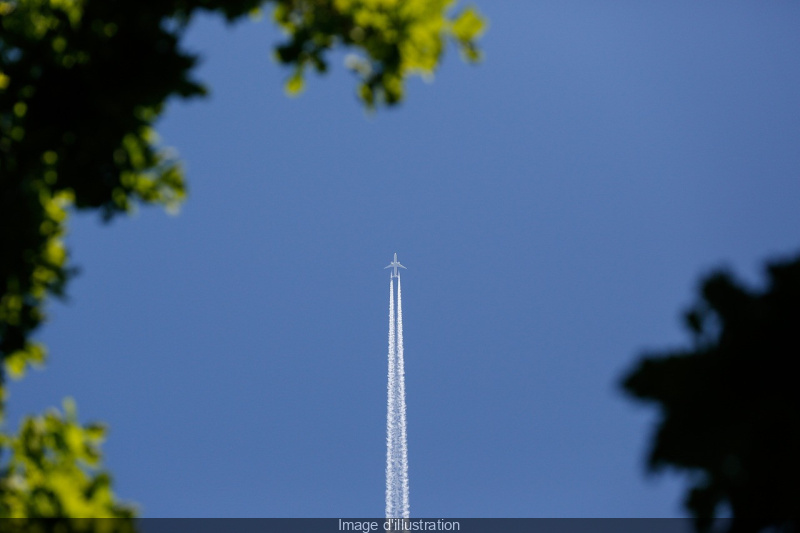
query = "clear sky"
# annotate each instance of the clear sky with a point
(555, 207)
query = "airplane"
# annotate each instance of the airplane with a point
(394, 264)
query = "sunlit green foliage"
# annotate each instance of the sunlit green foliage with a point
(730, 407)
(395, 38)
(52, 469)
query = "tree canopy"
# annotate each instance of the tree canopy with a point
(730, 406)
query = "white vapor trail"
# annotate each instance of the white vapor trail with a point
(396, 437)
(391, 426)
(401, 386)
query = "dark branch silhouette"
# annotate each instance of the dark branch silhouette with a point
(730, 404)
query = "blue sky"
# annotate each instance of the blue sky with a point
(555, 207)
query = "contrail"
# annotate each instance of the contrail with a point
(401, 386)
(396, 436)
(391, 424)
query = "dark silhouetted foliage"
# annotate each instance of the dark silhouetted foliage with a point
(730, 405)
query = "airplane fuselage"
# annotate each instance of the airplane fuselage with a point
(394, 265)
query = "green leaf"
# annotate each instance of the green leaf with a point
(17, 363)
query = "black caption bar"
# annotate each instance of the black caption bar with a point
(355, 525)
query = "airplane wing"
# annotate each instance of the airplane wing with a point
(401, 266)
